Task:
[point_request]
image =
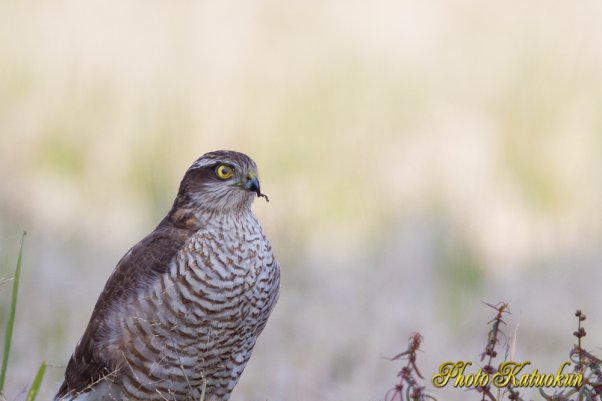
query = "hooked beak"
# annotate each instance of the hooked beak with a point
(252, 184)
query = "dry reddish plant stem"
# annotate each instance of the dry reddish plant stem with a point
(493, 337)
(408, 389)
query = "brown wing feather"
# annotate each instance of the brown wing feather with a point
(138, 268)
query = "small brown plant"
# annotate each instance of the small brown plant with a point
(408, 387)
(586, 364)
(493, 339)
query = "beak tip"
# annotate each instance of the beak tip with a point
(253, 185)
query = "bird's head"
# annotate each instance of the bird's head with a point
(220, 181)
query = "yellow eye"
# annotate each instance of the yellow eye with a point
(224, 172)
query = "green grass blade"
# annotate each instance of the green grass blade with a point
(11, 317)
(35, 386)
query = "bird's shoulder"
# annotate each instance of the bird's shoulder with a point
(142, 264)
(138, 268)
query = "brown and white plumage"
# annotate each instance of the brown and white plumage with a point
(180, 314)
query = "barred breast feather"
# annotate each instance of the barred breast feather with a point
(185, 329)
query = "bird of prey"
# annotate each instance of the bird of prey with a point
(178, 318)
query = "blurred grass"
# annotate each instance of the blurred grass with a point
(35, 386)
(8, 334)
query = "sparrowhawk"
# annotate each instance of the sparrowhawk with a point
(178, 318)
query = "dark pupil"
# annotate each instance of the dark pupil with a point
(224, 170)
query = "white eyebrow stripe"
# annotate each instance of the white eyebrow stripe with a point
(203, 163)
(210, 159)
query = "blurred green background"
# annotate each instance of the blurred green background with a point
(420, 156)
